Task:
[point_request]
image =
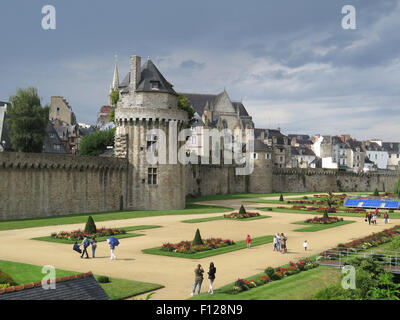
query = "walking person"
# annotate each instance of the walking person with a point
(94, 246)
(248, 241)
(386, 217)
(113, 256)
(198, 279)
(85, 244)
(211, 277)
(283, 243)
(374, 219)
(369, 217)
(305, 245)
(278, 242)
(275, 243)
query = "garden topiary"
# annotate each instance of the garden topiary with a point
(326, 214)
(6, 279)
(376, 193)
(242, 210)
(197, 238)
(269, 271)
(103, 279)
(90, 226)
(281, 197)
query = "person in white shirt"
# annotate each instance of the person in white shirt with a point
(305, 245)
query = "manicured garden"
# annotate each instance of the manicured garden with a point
(199, 248)
(23, 273)
(191, 209)
(321, 223)
(241, 196)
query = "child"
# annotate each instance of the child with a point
(248, 241)
(305, 245)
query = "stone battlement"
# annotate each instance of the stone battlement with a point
(333, 172)
(55, 161)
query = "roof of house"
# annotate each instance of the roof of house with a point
(149, 74)
(105, 109)
(373, 146)
(51, 139)
(302, 151)
(367, 160)
(299, 136)
(354, 144)
(391, 147)
(77, 287)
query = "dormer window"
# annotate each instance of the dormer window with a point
(155, 85)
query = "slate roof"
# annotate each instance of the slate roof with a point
(354, 144)
(78, 287)
(373, 146)
(367, 160)
(299, 136)
(391, 147)
(52, 139)
(301, 151)
(148, 74)
(201, 102)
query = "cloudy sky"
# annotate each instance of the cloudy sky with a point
(290, 61)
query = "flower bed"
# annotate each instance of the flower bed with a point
(322, 220)
(274, 274)
(367, 242)
(187, 247)
(78, 234)
(236, 215)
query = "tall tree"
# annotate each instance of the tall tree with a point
(27, 120)
(97, 142)
(114, 100)
(184, 104)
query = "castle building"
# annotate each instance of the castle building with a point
(148, 101)
(61, 111)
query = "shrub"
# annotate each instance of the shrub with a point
(276, 276)
(103, 279)
(326, 216)
(376, 193)
(4, 285)
(242, 211)
(269, 271)
(305, 197)
(269, 209)
(281, 197)
(90, 226)
(197, 238)
(6, 279)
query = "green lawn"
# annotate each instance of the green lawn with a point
(108, 216)
(222, 218)
(239, 245)
(101, 239)
(318, 227)
(301, 286)
(23, 273)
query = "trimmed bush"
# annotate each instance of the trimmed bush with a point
(6, 279)
(103, 279)
(90, 226)
(269, 271)
(242, 210)
(276, 276)
(281, 198)
(197, 238)
(376, 193)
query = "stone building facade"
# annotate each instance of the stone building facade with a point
(148, 101)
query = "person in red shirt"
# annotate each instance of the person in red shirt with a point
(248, 241)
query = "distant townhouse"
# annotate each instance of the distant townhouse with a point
(357, 154)
(394, 154)
(377, 154)
(302, 157)
(61, 111)
(280, 144)
(300, 140)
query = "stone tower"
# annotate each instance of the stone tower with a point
(148, 101)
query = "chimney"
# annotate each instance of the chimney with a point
(262, 135)
(136, 63)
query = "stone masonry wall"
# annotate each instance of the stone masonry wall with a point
(323, 180)
(41, 185)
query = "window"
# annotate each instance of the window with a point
(57, 147)
(268, 156)
(58, 110)
(155, 85)
(255, 156)
(151, 143)
(152, 175)
(281, 159)
(194, 139)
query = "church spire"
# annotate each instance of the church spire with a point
(115, 82)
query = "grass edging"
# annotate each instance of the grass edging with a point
(318, 227)
(239, 245)
(222, 218)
